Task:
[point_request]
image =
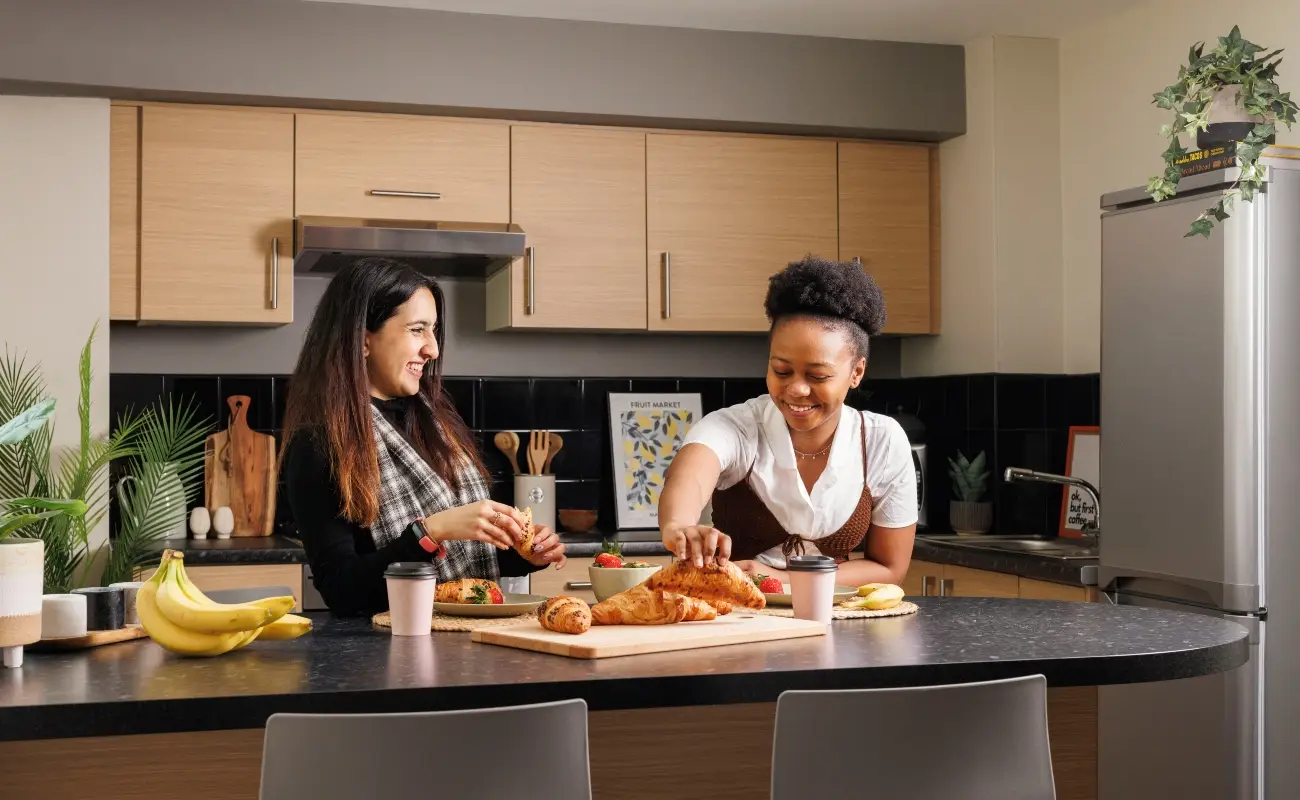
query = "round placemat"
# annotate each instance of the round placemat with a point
(446, 622)
(899, 610)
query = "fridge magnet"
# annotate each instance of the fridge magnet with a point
(1082, 460)
(646, 431)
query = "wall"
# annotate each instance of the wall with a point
(1000, 204)
(1110, 139)
(336, 54)
(54, 240)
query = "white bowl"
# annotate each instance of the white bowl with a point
(607, 582)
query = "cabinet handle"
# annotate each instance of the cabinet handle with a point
(927, 586)
(529, 264)
(396, 193)
(668, 285)
(945, 587)
(275, 273)
(577, 585)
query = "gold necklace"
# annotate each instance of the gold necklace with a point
(813, 455)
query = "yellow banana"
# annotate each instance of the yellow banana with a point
(276, 607)
(290, 626)
(171, 636)
(184, 612)
(877, 596)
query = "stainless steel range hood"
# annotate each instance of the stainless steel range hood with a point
(324, 245)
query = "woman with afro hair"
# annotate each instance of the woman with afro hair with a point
(794, 471)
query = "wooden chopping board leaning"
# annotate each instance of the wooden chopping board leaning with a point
(240, 472)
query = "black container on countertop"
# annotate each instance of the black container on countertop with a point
(105, 607)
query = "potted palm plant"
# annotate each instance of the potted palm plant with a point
(1228, 96)
(968, 513)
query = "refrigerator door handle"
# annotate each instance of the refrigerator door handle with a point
(1230, 597)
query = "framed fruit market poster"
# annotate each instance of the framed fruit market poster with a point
(646, 431)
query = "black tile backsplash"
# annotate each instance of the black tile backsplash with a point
(1016, 420)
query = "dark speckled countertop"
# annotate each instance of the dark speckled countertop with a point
(349, 666)
(951, 549)
(240, 550)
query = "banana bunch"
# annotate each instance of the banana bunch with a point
(876, 596)
(182, 619)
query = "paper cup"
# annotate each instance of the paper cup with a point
(812, 586)
(410, 597)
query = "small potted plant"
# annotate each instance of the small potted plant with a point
(967, 513)
(1228, 96)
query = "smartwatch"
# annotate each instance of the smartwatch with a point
(429, 545)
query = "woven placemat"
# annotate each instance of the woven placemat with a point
(446, 622)
(899, 610)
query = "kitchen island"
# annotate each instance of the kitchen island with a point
(685, 724)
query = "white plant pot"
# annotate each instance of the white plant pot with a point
(168, 505)
(22, 580)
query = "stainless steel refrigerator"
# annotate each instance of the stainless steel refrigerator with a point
(1200, 459)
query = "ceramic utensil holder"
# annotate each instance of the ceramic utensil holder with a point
(22, 578)
(538, 493)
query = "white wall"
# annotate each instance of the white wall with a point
(1003, 279)
(1110, 131)
(54, 247)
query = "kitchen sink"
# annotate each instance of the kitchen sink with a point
(1066, 549)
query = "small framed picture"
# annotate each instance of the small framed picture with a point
(645, 433)
(1082, 460)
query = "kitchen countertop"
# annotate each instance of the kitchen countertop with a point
(1076, 572)
(239, 550)
(347, 665)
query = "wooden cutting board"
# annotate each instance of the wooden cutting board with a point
(240, 472)
(92, 639)
(604, 641)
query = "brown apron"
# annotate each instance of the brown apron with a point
(742, 515)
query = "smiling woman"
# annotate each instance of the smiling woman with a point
(794, 471)
(378, 465)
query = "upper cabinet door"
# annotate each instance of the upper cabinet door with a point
(374, 167)
(724, 214)
(216, 213)
(579, 196)
(124, 213)
(885, 200)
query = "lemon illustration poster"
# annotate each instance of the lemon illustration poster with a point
(646, 431)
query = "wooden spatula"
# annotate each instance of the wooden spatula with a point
(508, 443)
(553, 445)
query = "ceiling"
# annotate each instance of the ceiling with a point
(937, 21)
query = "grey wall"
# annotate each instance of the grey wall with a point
(338, 55)
(470, 349)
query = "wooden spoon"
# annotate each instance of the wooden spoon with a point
(553, 445)
(508, 443)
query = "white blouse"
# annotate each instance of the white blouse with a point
(755, 433)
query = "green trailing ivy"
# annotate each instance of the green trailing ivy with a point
(1234, 62)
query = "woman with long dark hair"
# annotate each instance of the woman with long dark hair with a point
(378, 464)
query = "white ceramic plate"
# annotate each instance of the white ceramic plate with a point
(784, 599)
(515, 605)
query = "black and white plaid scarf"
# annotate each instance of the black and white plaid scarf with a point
(409, 488)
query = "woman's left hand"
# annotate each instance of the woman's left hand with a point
(547, 548)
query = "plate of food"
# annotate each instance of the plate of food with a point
(477, 597)
(778, 593)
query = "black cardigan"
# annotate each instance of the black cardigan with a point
(347, 569)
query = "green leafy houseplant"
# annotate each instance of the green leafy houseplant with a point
(1234, 62)
(153, 441)
(21, 512)
(967, 513)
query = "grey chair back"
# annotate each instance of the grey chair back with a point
(967, 741)
(509, 753)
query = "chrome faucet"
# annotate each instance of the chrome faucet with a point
(1021, 474)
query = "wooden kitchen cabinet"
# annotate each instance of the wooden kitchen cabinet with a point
(885, 220)
(550, 582)
(214, 577)
(344, 162)
(914, 582)
(579, 196)
(724, 213)
(966, 582)
(124, 213)
(216, 215)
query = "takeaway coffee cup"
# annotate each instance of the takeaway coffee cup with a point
(812, 586)
(410, 597)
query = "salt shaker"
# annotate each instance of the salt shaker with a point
(200, 522)
(223, 522)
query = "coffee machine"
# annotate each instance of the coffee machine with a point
(915, 431)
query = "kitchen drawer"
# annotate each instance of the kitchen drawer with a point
(914, 581)
(214, 577)
(550, 582)
(459, 168)
(966, 582)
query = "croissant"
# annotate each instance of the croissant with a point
(642, 606)
(525, 547)
(564, 614)
(720, 582)
(463, 590)
(722, 607)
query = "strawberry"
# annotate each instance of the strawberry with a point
(610, 556)
(489, 595)
(767, 584)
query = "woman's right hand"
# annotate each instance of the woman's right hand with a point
(485, 521)
(699, 544)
